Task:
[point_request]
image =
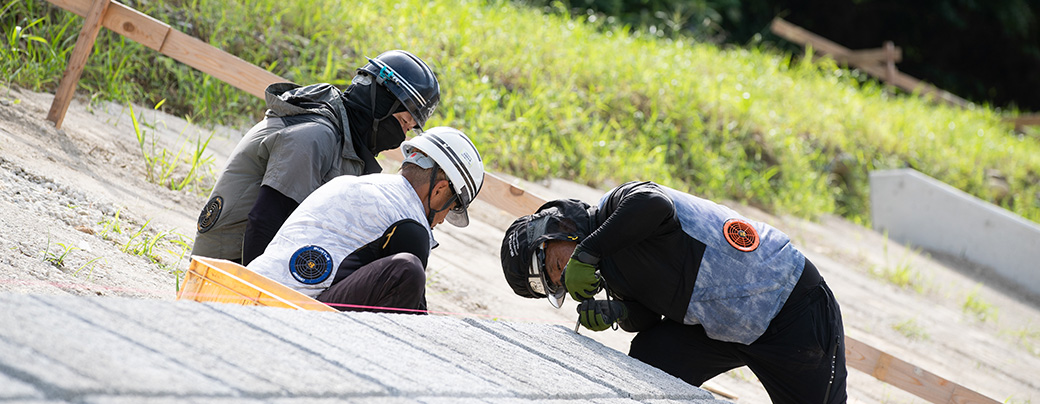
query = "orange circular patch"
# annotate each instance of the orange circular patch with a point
(740, 235)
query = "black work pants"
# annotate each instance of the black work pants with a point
(800, 359)
(397, 281)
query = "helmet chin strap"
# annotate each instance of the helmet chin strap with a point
(429, 198)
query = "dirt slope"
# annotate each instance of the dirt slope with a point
(61, 191)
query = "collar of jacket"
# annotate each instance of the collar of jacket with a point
(289, 99)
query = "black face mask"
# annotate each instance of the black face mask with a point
(370, 109)
(387, 135)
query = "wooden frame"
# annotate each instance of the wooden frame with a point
(158, 36)
(879, 63)
(496, 191)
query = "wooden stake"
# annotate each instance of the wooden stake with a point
(890, 61)
(84, 44)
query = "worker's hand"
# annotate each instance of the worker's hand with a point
(580, 278)
(598, 315)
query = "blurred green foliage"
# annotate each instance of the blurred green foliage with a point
(544, 94)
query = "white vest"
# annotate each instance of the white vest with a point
(338, 218)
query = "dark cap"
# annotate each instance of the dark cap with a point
(562, 219)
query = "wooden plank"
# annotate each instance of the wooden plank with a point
(78, 59)
(906, 376)
(134, 25)
(840, 53)
(509, 197)
(1022, 121)
(219, 64)
(124, 21)
(182, 47)
(496, 191)
(911, 84)
(803, 37)
(875, 56)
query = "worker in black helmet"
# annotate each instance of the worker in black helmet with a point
(310, 135)
(706, 289)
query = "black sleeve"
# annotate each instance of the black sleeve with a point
(639, 317)
(269, 212)
(407, 236)
(634, 212)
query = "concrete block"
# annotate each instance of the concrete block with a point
(527, 374)
(211, 330)
(350, 400)
(374, 354)
(11, 388)
(75, 357)
(34, 401)
(917, 209)
(141, 322)
(583, 355)
(187, 399)
(28, 363)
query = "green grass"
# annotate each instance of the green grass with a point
(547, 95)
(1026, 337)
(911, 330)
(57, 258)
(978, 308)
(902, 274)
(166, 168)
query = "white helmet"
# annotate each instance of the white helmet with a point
(454, 153)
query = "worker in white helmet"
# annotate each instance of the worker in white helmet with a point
(363, 242)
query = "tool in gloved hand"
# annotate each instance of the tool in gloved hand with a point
(598, 315)
(580, 277)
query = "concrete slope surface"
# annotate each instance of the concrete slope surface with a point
(115, 350)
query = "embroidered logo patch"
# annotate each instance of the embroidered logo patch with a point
(740, 235)
(210, 213)
(311, 265)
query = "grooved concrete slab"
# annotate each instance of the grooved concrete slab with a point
(593, 361)
(14, 389)
(114, 351)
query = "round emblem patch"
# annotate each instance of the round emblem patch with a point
(210, 213)
(740, 235)
(311, 265)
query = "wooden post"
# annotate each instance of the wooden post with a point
(890, 61)
(84, 44)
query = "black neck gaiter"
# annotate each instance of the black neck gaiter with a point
(370, 109)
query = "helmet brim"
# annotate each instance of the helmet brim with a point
(458, 217)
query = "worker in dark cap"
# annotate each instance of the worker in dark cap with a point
(706, 289)
(310, 135)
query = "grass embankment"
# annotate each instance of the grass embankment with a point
(545, 95)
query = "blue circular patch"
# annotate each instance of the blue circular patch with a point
(311, 265)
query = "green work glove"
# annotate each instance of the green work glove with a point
(598, 315)
(579, 276)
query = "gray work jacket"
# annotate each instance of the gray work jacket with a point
(303, 142)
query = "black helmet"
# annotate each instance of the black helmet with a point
(523, 256)
(409, 79)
